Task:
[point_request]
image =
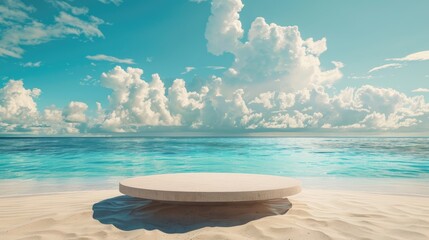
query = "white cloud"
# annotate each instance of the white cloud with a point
(273, 57)
(75, 112)
(20, 29)
(390, 65)
(215, 67)
(53, 123)
(17, 106)
(380, 121)
(380, 108)
(5, 52)
(88, 80)
(384, 100)
(276, 82)
(67, 7)
(285, 100)
(14, 11)
(32, 64)
(223, 30)
(296, 120)
(102, 57)
(197, 1)
(423, 90)
(418, 56)
(188, 69)
(135, 102)
(73, 25)
(136, 105)
(115, 2)
(265, 99)
(149, 59)
(360, 77)
(185, 103)
(19, 113)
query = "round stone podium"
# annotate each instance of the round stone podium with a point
(210, 187)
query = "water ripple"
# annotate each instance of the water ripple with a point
(37, 158)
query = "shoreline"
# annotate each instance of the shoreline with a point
(390, 186)
(315, 214)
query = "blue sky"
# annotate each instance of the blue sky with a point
(63, 59)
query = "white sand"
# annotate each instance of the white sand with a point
(312, 214)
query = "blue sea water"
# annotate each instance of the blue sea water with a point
(65, 159)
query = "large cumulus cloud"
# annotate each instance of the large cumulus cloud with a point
(273, 57)
(19, 113)
(136, 104)
(17, 105)
(275, 83)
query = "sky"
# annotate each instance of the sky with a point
(106, 67)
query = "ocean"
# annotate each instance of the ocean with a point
(60, 164)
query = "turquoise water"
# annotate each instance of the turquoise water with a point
(67, 158)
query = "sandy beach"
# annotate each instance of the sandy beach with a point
(312, 214)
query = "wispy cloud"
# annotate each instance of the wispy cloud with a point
(418, 56)
(390, 65)
(116, 2)
(360, 77)
(67, 7)
(188, 69)
(32, 64)
(197, 1)
(88, 80)
(20, 28)
(102, 57)
(215, 67)
(421, 90)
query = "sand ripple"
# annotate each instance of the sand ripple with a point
(313, 214)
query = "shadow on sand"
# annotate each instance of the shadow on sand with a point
(128, 213)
